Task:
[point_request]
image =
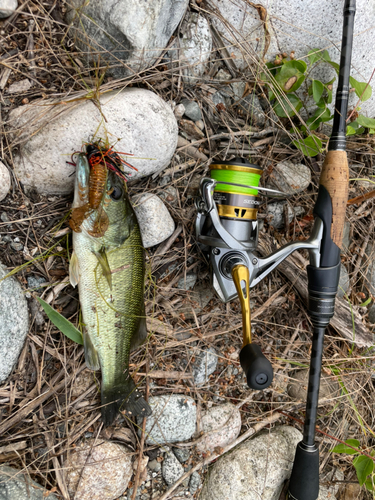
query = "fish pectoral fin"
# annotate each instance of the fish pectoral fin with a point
(91, 354)
(141, 334)
(103, 261)
(74, 270)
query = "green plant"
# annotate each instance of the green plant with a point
(284, 77)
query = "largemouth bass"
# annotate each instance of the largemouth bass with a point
(108, 265)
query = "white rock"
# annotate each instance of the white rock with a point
(293, 28)
(255, 469)
(196, 46)
(5, 183)
(275, 213)
(7, 7)
(14, 323)
(142, 121)
(221, 424)
(18, 485)
(98, 469)
(297, 388)
(179, 111)
(18, 87)
(171, 469)
(134, 32)
(290, 178)
(154, 219)
(173, 419)
(204, 365)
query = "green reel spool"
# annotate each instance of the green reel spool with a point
(236, 202)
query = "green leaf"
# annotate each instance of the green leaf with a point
(317, 90)
(283, 107)
(318, 117)
(366, 302)
(64, 325)
(291, 75)
(315, 55)
(365, 122)
(310, 146)
(354, 128)
(369, 485)
(360, 88)
(342, 448)
(363, 467)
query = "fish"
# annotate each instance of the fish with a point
(108, 266)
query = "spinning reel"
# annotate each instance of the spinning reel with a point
(227, 228)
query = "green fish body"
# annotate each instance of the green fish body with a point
(108, 265)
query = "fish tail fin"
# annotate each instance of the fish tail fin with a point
(123, 396)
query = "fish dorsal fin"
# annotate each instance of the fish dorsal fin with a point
(141, 334)
(74, 270)
(103, 261)
(91, 354)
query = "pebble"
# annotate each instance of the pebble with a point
(204, 364)
(4, 217)
(21, 487)
(221, 98)
(19, 87)
(289, 178)
(173, 419)
(188, 283)
(170, 195)
(195, 482)
(255, 469)
(182, 454)
(238, 89)
(14, 323)
(144, 123)
(36, 312)
(191, 129)
(5, 182)
(371, 314)
(98, 469)
(192, 110)
(171, 469)
(344, 282)
(154, 465)
(223, 76)
(7, 8)
(200, 124)
(155, 221)
(179, 111)
(221, 425)
(297, 387)
(275, 213)
(34, 282)
(18, 247)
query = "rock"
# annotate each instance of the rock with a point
(154, 465)
(182, 454)
(98, 469)
(195, 48)
(223, 76)
(250, 106)
(128, 34)
(5, 182)
(179, 111)
(188, 283)
(192, 110)
(81, 383)
(36, 312)
(173, 419)
(35, 282)
(154, 219)
(7, 7)
(14, 323)
(289, 178)
(371, 314)
(221, 98)
(18, 247)
(275, 213)
(4, 217)
(329, 492)
(238, 89)
(171, 469)
(204, 364)
(169, 194)
(19, 87)
(297, 388)
(221, 424)
(200, 124)
(255, 469)
(195, 482)
(350, 491)
(191, 129)
(144, 123)
(21, 487)
(243, 32)
(344, 282)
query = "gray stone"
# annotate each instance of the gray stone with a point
(255, 469)
(144, 123)
(204, 364)
(197, 300)
(297, 387)
(171, 469)
(221, 425)
(275, 213)
(250, 106)
(7, 8)
(289, 178)
(34, 282)
(98, 469)
(221, 98)
(154, 465)
(5, 183)
(128, 34)
(238, 89)
(371, 314)
(188, 283)
(173, 419)
(36, 312)
(14, 323)
(344, 282)
(154, 219)
(4, 217)
(192, 110)
(18, 247)
(243, 31)
(19, 87)
(169, 194)
(17, 485)
(182, 454)
(195, 482)
(195, 48)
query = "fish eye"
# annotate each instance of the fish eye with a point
(116, 193)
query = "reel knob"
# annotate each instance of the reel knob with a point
(257, 368)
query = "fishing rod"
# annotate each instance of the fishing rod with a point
(323, 277)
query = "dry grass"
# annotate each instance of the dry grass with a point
(49, 403)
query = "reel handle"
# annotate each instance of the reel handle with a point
(257, 368)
